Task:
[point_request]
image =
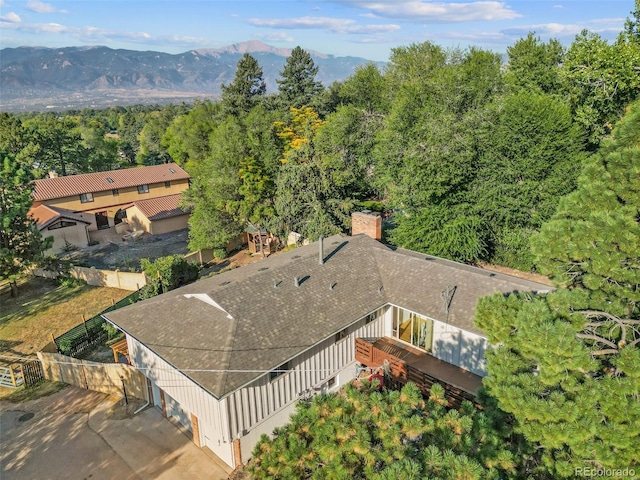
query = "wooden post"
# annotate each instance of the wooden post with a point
(86, 331)
(13, 376)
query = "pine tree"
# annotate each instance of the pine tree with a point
(248, 86)
(21, 244)
(297, 85)
(567, 364)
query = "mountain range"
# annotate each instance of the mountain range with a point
(39, 78)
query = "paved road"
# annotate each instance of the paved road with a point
(67, 436)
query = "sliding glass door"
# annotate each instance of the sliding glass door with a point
(412, 328)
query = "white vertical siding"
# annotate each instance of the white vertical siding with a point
(459, 347)
(310, 370)
(186, 397)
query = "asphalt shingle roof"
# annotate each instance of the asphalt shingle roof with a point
(60, 187)
(273, 320)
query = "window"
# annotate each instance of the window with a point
(172, 170)
(115, 192)
(281, 370)
(143, 188)
(86, 197)
(167, 184)
(109, 180)
(330, 383)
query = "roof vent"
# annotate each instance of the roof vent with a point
(296, 281)
(380, 289)
(225, 283)
(109, 180)
(295, 256)
(262, 269)
(277, 284)
(172, 170)
(332, 286)
(321, 250)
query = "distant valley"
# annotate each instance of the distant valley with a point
(38, 78)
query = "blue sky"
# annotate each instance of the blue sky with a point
(368, 29)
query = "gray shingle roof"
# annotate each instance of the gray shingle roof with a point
(273, 320)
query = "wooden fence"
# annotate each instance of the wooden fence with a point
(109, 378)
(28, 374)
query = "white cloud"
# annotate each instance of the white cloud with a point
(438, 12)
(481, 37)
(10, 17)
(275, 37)
(336, 25)
(608, 21)
(40, 7)
(558, 6)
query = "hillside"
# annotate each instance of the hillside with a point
(37, 78)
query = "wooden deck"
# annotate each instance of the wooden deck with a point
(408, 364)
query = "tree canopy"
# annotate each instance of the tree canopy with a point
(297, 85)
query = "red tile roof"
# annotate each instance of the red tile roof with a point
(45, 215)
(59, 187)
(161, 207)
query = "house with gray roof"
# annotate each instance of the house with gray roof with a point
(230, 355)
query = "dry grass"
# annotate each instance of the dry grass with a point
(22, 394)
(43, 308)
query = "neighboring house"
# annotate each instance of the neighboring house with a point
(157, 215)
(68, 229)
(100, 197)
(229, 356)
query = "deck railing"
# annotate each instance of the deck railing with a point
(369, 354)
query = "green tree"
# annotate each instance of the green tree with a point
(59, 145)
(535, 65)
(566, 365)
(529, 155)
(167, 273)
(248, 86)
(363, 433)
(316, 185)
(593, 241)
(21, 244)
(297, 85)
(366, 89)
(600, 79)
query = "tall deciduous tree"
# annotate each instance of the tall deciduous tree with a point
(59, 145)
(297, 85)
(535, 65)
(600, 80)
(21, 244)
(248, 86)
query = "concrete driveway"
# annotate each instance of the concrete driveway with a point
(68, 436)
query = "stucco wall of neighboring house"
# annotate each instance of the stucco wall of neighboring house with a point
(265, 404)
(139, 221)
(190, 397)
(75, 235)
(107, 201)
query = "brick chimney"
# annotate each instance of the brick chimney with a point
(367, 222)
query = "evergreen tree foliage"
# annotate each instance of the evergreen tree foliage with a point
(21, 244)
(167, 273)
(363, 433)
(247, 88)
(567, 365)
(568, 375)
(593, 241)
(529, 154)
(297, 86)
(534, 65)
